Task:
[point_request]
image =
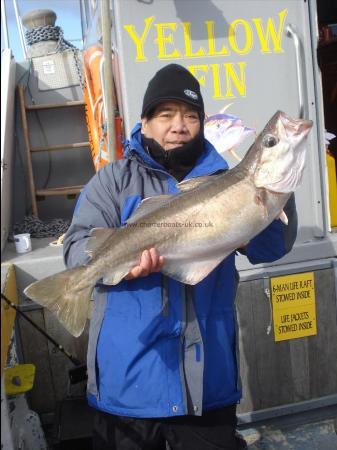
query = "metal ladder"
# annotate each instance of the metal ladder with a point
(35, 193)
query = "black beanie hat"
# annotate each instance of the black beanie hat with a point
(173, 82)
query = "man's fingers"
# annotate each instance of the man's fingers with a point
(159, 265)
(157, 261)
(150, 261)
(154, 258)
(145, 263)
(135, 272)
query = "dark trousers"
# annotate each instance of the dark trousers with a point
(213, 430)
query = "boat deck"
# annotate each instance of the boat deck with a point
(310, 430)
(313, 430)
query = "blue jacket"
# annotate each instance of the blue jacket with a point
(157, 347)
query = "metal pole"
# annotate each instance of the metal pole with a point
(108, 79)
(84, 20)
(20, 29)
(4, 23)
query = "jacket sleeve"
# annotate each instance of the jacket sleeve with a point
(96, 207)
(276, 240)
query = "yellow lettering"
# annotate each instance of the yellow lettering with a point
(194, 71)
(188, 44)
(211, 41)
(232, 33)
(139, 40)
(270, 33)
(162, 40)
(233, 78)
(216, 81)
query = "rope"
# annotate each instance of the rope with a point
(39, 229)
(50, 33)
(102, 152)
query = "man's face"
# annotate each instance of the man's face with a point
(172, 124)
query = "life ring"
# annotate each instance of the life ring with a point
(94, 111)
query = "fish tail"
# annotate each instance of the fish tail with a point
(67, 295)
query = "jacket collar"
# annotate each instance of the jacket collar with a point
(209, 161)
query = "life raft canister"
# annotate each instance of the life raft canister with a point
(94, 111)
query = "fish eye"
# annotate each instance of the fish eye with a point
(269, 140)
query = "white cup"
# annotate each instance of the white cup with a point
(23, 243)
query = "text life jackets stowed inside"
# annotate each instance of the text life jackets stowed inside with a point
(94, 111)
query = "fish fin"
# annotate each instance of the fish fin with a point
(234, 154)
(65, 295)
(192, 183)
(97, 238)
(222, 111)
(116, 277)
(260, 199)
(283, 217)
(191, 272)
(149, 205)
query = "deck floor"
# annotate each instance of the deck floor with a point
(316, 430)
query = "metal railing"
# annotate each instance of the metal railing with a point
(20, 28)
(4, 23)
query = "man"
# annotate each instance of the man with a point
(162, 356)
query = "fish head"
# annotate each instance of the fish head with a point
(281, 150)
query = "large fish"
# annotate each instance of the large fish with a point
(193, 230)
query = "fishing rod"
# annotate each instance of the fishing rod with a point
(79, 372)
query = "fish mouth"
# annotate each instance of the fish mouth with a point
(295, 128)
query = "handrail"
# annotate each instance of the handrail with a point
(108, 79)
(4, 23)
(299, 69)
(84, 20)
(20, 29)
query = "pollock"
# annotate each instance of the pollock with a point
(193, 230)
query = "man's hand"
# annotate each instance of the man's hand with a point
(149, 262)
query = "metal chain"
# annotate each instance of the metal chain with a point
(64, 45)
(78, 67)
(39, 229)
(46, 33)
(50, 33)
